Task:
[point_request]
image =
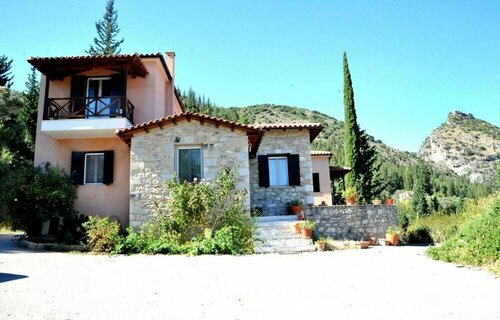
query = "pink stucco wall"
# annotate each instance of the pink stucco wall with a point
(320, 164)
(149, 96)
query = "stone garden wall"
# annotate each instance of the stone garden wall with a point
(274, 200)
(352, 222)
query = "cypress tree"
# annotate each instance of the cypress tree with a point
(5, 74)
(107, 31)
(352, 135)
(366, 183)
(28, 112)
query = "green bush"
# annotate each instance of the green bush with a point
(31, 195)
(203, 217)
(418, 234)
(72, 231)
(477, 241)
(103, 234)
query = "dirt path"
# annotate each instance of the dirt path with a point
(400, 283)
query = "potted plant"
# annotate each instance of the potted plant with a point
(295, 206)
(306, 228)
(391, 236)
(350, 195)
(387, 198)
(363, 244)
(377, 201)
(320, 244)
(296, 228)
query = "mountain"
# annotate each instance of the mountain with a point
(466, 145)
(331, 138)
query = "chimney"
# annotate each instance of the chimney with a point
(170, 62)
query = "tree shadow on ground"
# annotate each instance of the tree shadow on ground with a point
(4, 277)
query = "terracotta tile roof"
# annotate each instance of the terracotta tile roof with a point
(54, 67)
(314, 128)
(320, 153)
(254, 134)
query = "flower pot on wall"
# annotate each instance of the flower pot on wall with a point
(350, 201)
(389, 201)
(296, 209)
(306, 233)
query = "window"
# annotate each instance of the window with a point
(94, 168)
(278, 171)
(98, 95)
(316, 182)
(189, 164)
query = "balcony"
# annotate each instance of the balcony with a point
(86, 117)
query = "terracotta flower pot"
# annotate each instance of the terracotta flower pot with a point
(306, 233)
(364, 244)
(296, 228)
(320, 246)
(350, 201)
(377, 202)
(296, 209)
(392, 238)
(373, 241)
(300, 217)
(389, 201)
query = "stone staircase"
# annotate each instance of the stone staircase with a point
(274, 234)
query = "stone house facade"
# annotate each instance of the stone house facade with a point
(273, 162)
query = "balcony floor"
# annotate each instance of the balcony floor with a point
(84, 128)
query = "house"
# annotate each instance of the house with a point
(117, 124)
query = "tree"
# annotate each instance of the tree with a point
(5, 74)
(419, 201)
(29, 111)
(107, 31)
(368, 156)
(352, 133)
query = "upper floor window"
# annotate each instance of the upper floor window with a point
(189, 163)
(98, 96)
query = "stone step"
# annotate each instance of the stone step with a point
(284, 250)
(275, 224)
(276, 218)
(274, 234)
(283, 242)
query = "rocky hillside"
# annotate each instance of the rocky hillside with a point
(466, 145)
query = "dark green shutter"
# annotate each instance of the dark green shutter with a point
(77, 167)
(316, 182)
(293, 170)
(109, 158)
(263, 171)
(78, 84)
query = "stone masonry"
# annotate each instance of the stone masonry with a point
(274, 200)
(153, 160)
(352, 222)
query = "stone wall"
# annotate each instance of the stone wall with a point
(274, 200)
(153, 160)
(352, 222)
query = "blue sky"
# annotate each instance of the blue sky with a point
(412, 62)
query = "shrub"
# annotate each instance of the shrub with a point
(103, 234)
(72, 230)
(419, 234)
(476, 242)
(31, 195)
(203, 217)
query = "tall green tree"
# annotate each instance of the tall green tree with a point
(368, 155)
(5, 74)
(107, 32)
(28, 113)
(352, 134)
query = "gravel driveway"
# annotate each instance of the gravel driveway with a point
(399, 283)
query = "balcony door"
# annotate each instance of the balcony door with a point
(98, 97)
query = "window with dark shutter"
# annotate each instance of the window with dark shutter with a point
(263, 171)
(92, 167)
(293, 170)
(316, 182)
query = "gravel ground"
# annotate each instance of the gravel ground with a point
(400, 283)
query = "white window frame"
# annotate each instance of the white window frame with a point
(286, 165)
(85, 168)
(185, 148)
